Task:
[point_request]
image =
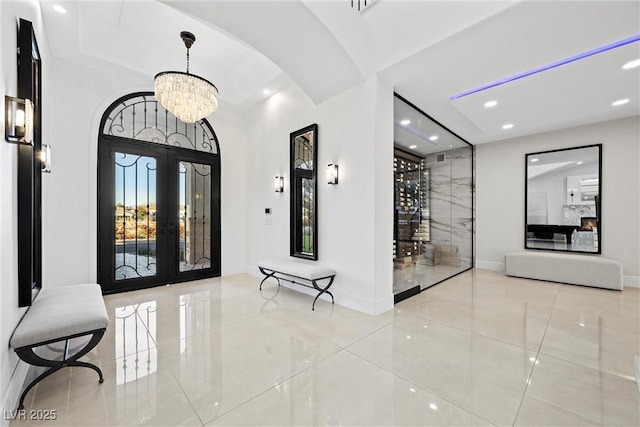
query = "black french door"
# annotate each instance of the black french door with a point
(158, 214)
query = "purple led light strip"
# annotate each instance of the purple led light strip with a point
(586, 54)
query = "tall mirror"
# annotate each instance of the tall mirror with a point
(563, 189)
(304, 189)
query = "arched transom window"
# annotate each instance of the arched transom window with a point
(141, 117)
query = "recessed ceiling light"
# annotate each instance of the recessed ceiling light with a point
(266, 92)
(405, 122)
(632, 64)
(507, 126)
(433, 138)
(59, 9)
(535, 159)
(413, 146)
(619, 102)
(490, 104)
(580, 162)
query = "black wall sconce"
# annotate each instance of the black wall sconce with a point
(278, 184)
(18, 123)
(332, 173)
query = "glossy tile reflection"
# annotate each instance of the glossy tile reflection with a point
(376, 397)
(478, 349)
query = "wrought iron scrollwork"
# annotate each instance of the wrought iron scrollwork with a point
(142, 117)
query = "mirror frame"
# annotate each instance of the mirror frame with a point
(296, 200)
(598, 199)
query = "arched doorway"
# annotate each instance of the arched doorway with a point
(158, 197)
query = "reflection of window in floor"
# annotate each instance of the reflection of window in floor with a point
(135, 348)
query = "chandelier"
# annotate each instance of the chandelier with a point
(188, 96)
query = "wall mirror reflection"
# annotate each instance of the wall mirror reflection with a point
(304, 189)
(563, 193)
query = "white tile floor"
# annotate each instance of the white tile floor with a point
(478, 349)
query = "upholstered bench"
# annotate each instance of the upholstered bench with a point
(586, 270)
(289, 271)
(57, 315)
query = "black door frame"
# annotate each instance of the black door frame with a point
(168, 158)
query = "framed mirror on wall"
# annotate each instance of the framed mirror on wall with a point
(29, 189)
(304, 190)
(563, 200)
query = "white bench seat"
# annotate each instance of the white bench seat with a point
(57, 315)
(287, 270)
(574, 269)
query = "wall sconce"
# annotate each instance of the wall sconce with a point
(332, 173)
(278, 184)
(45, 158)
(18, 123)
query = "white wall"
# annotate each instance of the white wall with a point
(500, 191)
(11, 377)
(231, 130)
(355, 131)
(69, 198)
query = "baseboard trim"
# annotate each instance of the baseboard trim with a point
(232, 270)
(490, 265)
(12, 394)
(631, 281)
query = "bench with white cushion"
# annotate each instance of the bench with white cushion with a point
(574, 269)
(291, 270)
(57, 315)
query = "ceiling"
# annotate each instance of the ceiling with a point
(428, 51)
(416, 133)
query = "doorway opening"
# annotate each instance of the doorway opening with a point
(158, 197)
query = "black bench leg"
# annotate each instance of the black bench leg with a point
(324, 290)
(28, 355)
(267, 275)
(90, 366)
(34, 382)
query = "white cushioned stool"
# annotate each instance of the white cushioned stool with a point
(586, 270)
(285, 270)
(57, 315)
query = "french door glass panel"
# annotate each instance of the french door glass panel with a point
(195, 216)
(135, 216)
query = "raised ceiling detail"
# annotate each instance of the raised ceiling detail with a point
(426, 50)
